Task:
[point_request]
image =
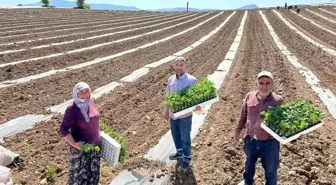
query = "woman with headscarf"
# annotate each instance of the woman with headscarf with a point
(81, 125)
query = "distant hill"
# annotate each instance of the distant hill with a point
(71, 4)
(249, 7)
(180, 9)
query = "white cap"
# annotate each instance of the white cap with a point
(265, 73)
(180, 59)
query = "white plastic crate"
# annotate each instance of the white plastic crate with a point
(110, 149)
(284, 140)
(191, 109)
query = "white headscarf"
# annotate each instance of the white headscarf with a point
(82, 104)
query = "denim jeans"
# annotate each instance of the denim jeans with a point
(268, 151)
(180, 129)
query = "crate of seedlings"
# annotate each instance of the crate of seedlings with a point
(185, 101)
(291, 120)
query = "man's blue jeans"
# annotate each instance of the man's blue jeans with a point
(268, 151)
(180, 129)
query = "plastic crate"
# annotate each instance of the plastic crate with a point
(110, 149)
(285, 140)
(191, 109)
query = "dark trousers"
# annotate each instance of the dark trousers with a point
(268, 151)
(181, 129)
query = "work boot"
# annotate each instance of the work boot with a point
(176, 156)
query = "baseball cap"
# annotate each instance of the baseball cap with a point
(180, 59)
(265, 73)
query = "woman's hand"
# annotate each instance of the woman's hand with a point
(72, 142)
(77, 146)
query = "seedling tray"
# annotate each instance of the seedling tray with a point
(110, 149)
(191, 109)
(285, 140)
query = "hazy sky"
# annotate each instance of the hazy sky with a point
(155, 4)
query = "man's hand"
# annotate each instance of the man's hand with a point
(198, 110)
(166, 116)
(236, 136)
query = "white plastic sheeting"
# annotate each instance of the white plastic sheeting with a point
(331, 13)
(165, 146)
(82, 33)
(99, 92)
(97, 45)
(20, 124)
(327, 97)
(99, 60)
(323, 17)
(314, 23)
(323, 47)
(67, 29)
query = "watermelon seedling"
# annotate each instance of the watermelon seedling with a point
(291, 118)
(89, 147)
(191, 96)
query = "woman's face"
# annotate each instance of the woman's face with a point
(84, 94)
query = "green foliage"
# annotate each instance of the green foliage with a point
(291, 118)
(51, 172)
(191, 96)
(19, 5)
(116, 136)
(87, 7)
(90, 147)
(46, 3)
(82, 5)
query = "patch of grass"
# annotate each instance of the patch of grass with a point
(116, 136)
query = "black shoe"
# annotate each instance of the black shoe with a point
(176, 156)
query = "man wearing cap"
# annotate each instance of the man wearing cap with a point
(181, 126)
(257, 142)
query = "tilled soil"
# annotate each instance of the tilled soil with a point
(38, 25)
(325, 14)
(89, 32)
(14, 37)
(44, 29)
(70, 58)
(318, 19)
(33, 25)
(217, 159)
(135, 110)
(56, 87)
(28, 13)
(313, 31)
(63, 16)
(320, 62)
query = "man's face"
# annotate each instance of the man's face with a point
(265, 85)
(180, 67)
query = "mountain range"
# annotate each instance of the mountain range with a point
(71, 4)
(249, 7)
